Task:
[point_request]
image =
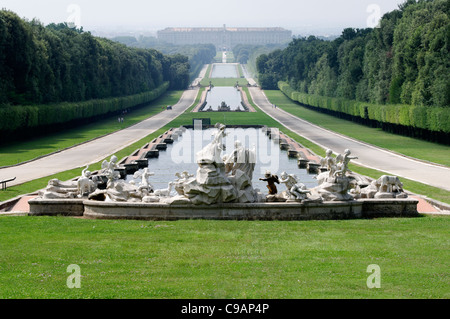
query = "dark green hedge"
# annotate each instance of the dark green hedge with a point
(434, 119)
(20, 117)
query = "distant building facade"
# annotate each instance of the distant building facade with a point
(225, 38)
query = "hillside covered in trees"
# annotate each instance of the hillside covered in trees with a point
(57, 74)
(405, 61)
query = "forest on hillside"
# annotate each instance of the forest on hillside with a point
(403, 61)
(57, 63)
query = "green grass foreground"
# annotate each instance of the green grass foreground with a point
(224, 259)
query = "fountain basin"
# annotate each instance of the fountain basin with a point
(230, 95)
(284, 211)
(56, 207)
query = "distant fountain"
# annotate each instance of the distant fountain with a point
(224, 107)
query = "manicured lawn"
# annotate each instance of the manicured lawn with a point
(428, 151)
(223, 81)
(230, 57)
(19, 152)
(218, 57)
(224, 259)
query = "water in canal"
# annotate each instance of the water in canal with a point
(218, 94)
(180, 156)
(224, 70)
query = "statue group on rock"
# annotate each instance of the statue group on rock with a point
(339, 183)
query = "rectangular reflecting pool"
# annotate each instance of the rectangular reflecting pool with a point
(224, 70)
(180, 156)
(230, 95)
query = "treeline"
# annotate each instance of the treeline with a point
(405, 61)
(54, 74)
(53, 64)
(429, 123)
(248, 53)
(22, 121)
(197, 54)
(244, 52)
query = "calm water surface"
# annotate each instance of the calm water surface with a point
(180, 157)
(230, 95)
(224, 70)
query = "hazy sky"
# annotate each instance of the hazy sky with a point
(191, 13)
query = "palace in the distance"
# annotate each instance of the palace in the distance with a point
(225, 37)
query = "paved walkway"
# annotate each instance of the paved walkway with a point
(368, 155)
(98, 149)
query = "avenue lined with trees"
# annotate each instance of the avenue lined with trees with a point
(58, 74)
(396, 76)
(198, 54)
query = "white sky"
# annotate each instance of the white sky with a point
(192, 13)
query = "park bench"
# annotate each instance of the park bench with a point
(3, 182)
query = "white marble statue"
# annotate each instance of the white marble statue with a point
(329, 162)
(211, 185)
(85, 184)
(165, 192)
(108, 169)
(211, 153)
(389, 184)
(182, 178)
(121, 191)
(384, 187)
(241, 159)
(335, 184)
(295, 189)
(144, 175)
(342, 163)
(57, 189)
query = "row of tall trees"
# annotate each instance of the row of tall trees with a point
(57, 63)
(248, 53)
(403, 61)
(197, 54)
(57, 76)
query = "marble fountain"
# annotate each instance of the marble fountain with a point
(225, 181)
